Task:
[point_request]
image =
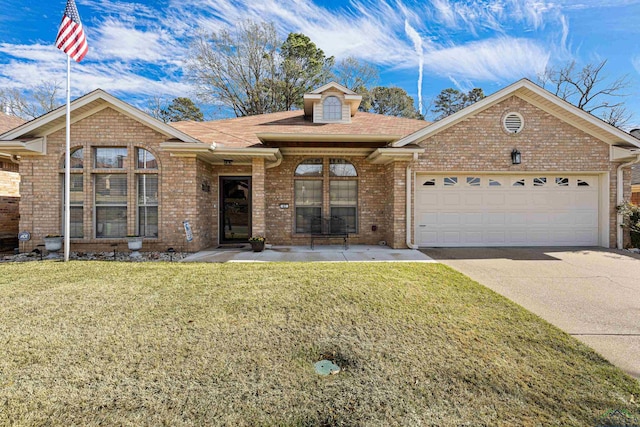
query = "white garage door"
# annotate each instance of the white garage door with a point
(506, 210)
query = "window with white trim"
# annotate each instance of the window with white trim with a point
(332, 109)
(450, 180)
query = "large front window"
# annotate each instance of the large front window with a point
(147, 205)
(123, 194)
(308, 197)
(111, 205)
(337, 181)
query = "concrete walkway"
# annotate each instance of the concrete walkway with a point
(355, 253)
(593, 294)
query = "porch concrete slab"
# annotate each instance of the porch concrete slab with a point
(590, 293)
(333, 253)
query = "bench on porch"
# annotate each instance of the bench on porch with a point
(327, 228)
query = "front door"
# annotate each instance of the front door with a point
(235, 209)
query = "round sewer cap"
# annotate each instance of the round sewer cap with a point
(326, 367)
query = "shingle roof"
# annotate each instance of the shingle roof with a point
(241, 132)
(8, 122)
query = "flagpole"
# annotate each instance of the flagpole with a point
(67, 169)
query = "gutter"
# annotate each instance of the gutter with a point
(620, 200)
(408, 214)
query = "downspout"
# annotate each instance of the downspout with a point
(620, 200)
(408, 204)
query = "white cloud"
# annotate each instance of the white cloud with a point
(501, 59)
(635, 61)
(119, 41)
(33, 52)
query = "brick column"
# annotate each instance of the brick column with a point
(258, 207)
(396, 208)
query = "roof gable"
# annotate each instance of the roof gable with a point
(85, 106)
(316, 97)
(540, 98)
(335, 86)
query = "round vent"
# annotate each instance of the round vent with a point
(513, 122)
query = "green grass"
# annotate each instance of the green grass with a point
(106, 343)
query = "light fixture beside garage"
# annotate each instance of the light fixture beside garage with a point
(516, 157)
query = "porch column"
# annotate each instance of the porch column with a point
(396, 207)
(258, 207)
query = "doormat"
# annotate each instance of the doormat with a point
(232, 247)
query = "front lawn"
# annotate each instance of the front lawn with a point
(107, 343)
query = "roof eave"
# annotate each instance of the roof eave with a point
(383, 156)
(28, 147)
(314, 137)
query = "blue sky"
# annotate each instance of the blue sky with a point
(138, 49)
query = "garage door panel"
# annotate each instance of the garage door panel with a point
(494, 199)
(473, 199)
(473, 218)
(506, 215)
(451, 199)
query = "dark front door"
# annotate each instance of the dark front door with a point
(235, 209)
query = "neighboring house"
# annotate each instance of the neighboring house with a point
(9, 190)
(518, 168)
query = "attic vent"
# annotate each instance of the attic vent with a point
(513, 122)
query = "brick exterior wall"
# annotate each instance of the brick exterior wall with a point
(42, 177)
(547, 144)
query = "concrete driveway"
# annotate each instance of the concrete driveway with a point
(593, 294)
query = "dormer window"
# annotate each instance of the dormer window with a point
(332, 109)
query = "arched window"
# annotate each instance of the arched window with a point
(309, 167)
(146, 160)
(77, 158)
(311, 186)
(332, 109)
(341, 167)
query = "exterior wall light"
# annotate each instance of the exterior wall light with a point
(228, 162)
(516, 157)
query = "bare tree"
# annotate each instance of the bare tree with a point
(237, 69)
(155, 105)
(589, 89)
(355, 75)
(33, 101)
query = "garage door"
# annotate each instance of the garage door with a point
(501, 210)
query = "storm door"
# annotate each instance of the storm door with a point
(235, 209)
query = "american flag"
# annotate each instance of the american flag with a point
(71, 39)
